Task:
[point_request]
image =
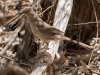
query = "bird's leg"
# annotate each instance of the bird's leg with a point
(44, 46)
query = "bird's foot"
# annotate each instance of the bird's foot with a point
(43, 49)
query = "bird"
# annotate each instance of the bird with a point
(44, 31)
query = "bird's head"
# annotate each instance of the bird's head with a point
(25, 10)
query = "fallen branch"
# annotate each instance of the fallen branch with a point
(79, 43)
(13, 39)
(11, 20)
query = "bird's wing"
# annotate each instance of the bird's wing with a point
(44, 27)
(55, 31)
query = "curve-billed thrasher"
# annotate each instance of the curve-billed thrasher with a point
(44, 31)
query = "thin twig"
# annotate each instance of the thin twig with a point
(98, 1)
(48, 8)
(94, 71)
(97, 29)
(84, 23)
(96, 19)
(90, 58)
(7, 57)
(35, 4)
